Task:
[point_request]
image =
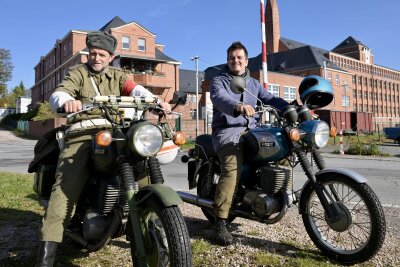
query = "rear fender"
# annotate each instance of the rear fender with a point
(194, 167)
(165, 194)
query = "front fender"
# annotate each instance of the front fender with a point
(164, 193)
(342, 171)
(349, 174)
(345, 172)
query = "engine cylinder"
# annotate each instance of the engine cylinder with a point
(275, 179)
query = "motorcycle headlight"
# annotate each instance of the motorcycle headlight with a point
(315, 133)
(145, 139)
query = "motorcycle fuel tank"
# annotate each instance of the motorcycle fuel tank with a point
(266, 143)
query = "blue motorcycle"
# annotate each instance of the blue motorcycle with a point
(342, 215)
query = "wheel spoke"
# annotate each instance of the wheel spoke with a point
(357, 235)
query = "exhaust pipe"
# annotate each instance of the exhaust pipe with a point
(195, 200)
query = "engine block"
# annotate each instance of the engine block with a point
(274, 179)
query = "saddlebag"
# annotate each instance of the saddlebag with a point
(44, 163)
(44, 179)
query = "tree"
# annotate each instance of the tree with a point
(6, 68)
(19, 90)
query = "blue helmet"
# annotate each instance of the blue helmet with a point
(315, 92)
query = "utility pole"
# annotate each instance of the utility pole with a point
(196, 59)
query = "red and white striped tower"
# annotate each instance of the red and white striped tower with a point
(263, 46)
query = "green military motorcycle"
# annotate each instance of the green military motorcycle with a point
(112, 204)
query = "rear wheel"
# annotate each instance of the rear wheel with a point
(360, 232)
(166, 235)
(206, 189)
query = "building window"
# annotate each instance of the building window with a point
(289, 93)
(345, 101)
(354, 93)
(337, 79)
(141, 44)
(126, 42)
(360, 107)
(64, 50)
(365, 95)
(70, 46)
(193, 113)
(330, 77)
(273, 89)
(354, 79)
(192, 98)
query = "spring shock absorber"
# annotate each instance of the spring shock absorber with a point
(318, 159)
(127, 175)
(155, 173)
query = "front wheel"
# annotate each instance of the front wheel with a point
(166, 236)
(360, 232)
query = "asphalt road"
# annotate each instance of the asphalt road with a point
(383, 174)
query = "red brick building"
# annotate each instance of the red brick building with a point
(359, 85)
(137, 53)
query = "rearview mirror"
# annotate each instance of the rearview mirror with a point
(238, 85)
(179, 98)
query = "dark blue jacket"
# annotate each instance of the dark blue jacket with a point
(227, 125)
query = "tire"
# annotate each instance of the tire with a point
(362, 234)
(167, 231)
(206, 189)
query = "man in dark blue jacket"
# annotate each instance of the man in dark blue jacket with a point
(232, 115)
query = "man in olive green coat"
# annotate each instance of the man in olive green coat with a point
(83, 81)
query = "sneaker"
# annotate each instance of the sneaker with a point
(224, 238)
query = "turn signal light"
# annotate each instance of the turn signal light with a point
(333, 131)
(103, 138)
(179, 138)
(294, 135)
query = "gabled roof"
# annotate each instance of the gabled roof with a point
(349, 42)
(187, 81)
(114, 23)
(299, 58)
(159, 57)
(291, 44)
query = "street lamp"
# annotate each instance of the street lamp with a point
(196, 59)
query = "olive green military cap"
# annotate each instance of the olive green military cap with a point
(101, 40)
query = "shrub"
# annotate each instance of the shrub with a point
(363, 149)
(40, 112)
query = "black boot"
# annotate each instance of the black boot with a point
(224, 238)
(46, 254)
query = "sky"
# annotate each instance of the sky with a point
(203, 28)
